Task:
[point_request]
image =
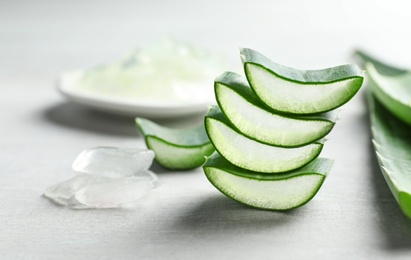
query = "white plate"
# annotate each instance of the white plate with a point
(128, 107)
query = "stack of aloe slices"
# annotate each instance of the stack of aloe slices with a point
(389, 102)
(268, 130)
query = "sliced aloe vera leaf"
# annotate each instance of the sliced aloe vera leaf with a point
(176, 148)
(252, 155)
(392, 143)
(379, 65)
(393, 91)
(267, 191)
(391, 86)
(250, 117)
(296, 91)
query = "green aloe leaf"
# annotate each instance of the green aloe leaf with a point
(389, 98)
(379, 65)
(296, 91)
(392, 143)
(267, 191)
(176, 148)
(249, 116)
(391, 86)
(252, 155)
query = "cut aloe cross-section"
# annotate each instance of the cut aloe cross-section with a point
(391, 86)
(250, 117)
(267, 191)
(252, 155)
(300, 91)
(176, 148)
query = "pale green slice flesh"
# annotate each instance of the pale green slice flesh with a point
(295, 91)
(250, 117)
(272, 192)
(393, 91)
(392, 143)
(176, 148)
(252, 155)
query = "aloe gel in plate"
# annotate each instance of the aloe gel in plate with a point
(249, 116)
(176, 148)
(294, 91)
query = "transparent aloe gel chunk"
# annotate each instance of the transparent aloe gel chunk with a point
(249, 116)
(113, 162)
(93, 191)
(294, 91)
(267, 191)
(176, 148)
(252, 155)
(108, 178)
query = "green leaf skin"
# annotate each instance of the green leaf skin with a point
(252, 155)
(380, 66)
(176, 149)
(294, 91)
(391, 86)
(394, 92)
(250, 117)
(267, 191)
(392, 143)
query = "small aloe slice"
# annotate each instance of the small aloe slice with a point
(267, 191)
(391, 86)
(295, 91)
(250, 117)
(252, 155)
(176, 148)
(392, 143)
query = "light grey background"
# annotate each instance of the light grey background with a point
(354, 216)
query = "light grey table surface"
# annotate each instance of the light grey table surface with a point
(354, 215)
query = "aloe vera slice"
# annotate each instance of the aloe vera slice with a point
(392, 143)
(251, 118)
(295, 91)
(176, 148)
(267, 191)
(392, 87)
(249, 154)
